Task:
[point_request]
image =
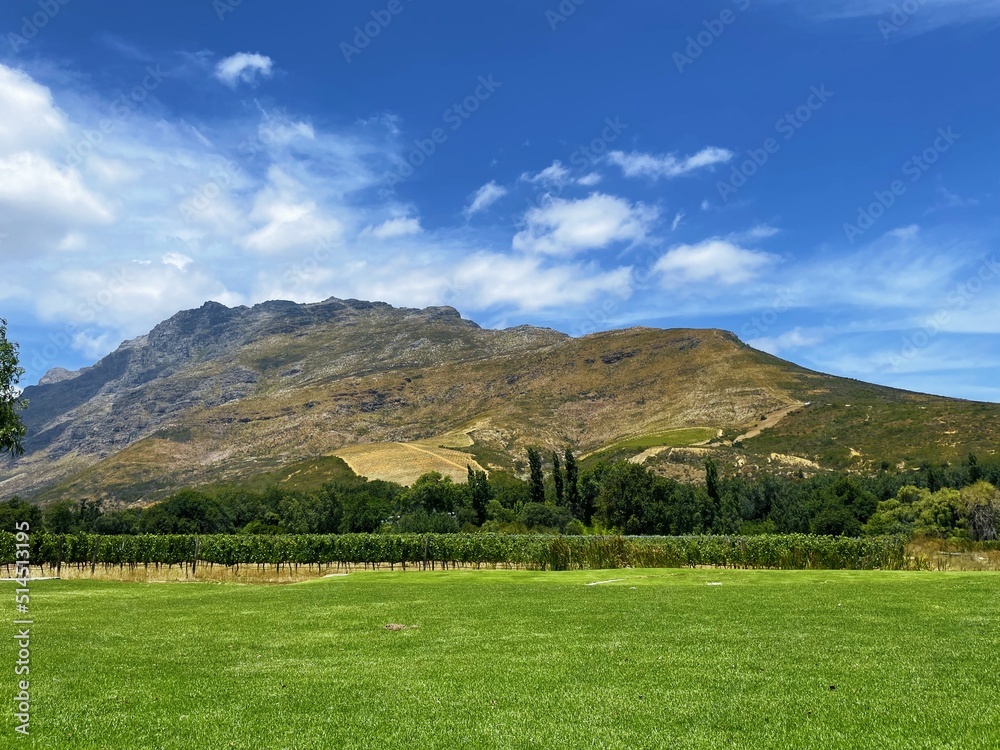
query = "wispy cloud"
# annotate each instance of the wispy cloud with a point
(918, 16)
(243, 67)
(485, 197)
(638, 164)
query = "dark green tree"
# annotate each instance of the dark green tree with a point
(975, 470)
(572, 484)
(536, 480)
(933, 481)
(17, 510)
(61, 517)
(480, 493)
(711, 515)
(11, 427)
(712, 481)
(557, 480)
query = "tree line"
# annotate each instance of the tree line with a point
(958, 501)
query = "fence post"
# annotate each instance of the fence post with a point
(194, 561)
(93, 559)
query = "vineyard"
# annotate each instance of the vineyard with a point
(433, 551)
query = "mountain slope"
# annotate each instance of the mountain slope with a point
(224, 395)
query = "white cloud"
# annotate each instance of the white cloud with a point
(161, 213)
(178, 260)
(401, 227)
(28, 117)
(928, 15)
(493, 280)
(554, 175)
(714, 260)
(797, 338)
(485, 197)
(103, 301)
(759, 232)
(40, 203)
(288, 217)
(637, 164)
(566, 227)
(557, 176)
(678, 217)
(243, 67)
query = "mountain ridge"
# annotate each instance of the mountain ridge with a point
(221, 394)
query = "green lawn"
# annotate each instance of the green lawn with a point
(658, 659)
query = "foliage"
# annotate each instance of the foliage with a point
(551, 552)
(981, 503)
(12, 429)
(536, 480)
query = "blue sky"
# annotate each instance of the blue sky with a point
(818, 177)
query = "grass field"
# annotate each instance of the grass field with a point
(516, 659)
(405, 462)
(678, 438)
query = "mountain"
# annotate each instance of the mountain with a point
(227, 395)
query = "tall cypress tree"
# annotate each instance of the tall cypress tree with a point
(933, 481)
(572, 485)
(557, 479)
(536, 481)
(714, 495)
(480, 493)
(975, 470)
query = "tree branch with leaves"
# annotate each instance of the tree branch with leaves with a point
(12, 429)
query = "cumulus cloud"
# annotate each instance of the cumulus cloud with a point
(637, 164)
(714, 260)
(485, 197)
(243, 67)
(31, 183)
(28, 117)
(563, 227)
(288, 218)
